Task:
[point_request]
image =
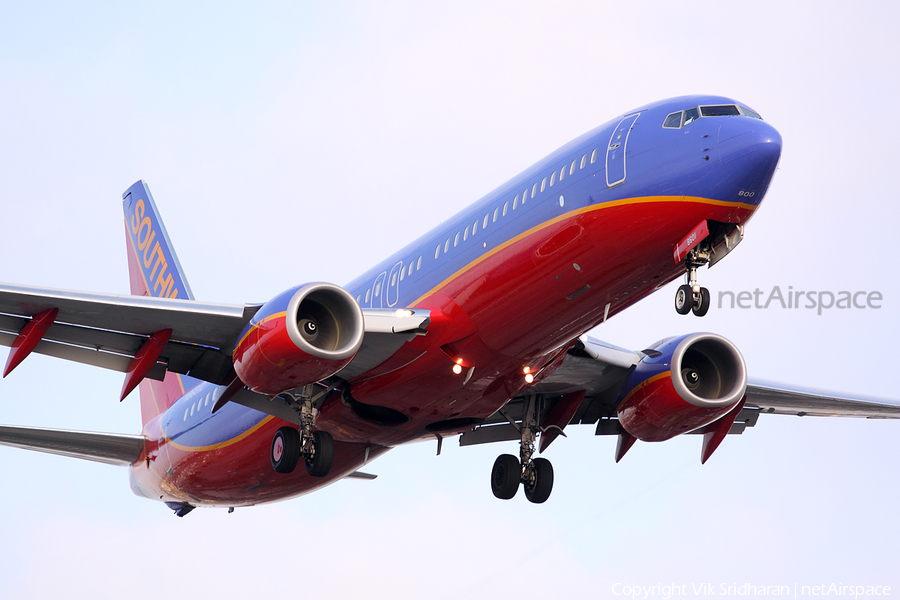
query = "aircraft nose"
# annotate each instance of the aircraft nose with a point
(749, 149)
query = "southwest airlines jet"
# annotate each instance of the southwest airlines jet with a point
(477, 329)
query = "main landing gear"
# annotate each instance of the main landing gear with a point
(690, 297)
(535, 474)
(315, 447)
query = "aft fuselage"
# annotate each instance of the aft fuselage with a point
(510, 282)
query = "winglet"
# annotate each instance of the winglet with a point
(29, 337)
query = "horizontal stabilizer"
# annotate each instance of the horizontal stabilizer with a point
(109, 448)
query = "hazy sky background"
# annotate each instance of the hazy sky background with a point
(288, 142)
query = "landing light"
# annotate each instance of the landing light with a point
(696, 288)
(526, 370)
(457, 368)
(529, 378)
(403, 312)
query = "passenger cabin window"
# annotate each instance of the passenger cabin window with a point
(474, 227)
(515, 201)
(552, 178)
(409, 272)
(368, 294)
(505, 206)
(572, 166)
(583, 162)
(543, 184)
(402, 273)
(496, 214)
(359, 299)
(524, 195)
(562, 172)
(466, 233)
(533, 190)
(419, 263)
(485, 222)
(393, 280)
(673, 121)
(456, 240)
(447, 246)
(437, 251)
(594, 155)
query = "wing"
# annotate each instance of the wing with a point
(109, 330)
(585, 389)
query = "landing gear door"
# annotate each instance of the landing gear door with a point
(615, 151)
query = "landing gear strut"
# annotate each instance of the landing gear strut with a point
(535, 474)
(315, 447)
(690, 296)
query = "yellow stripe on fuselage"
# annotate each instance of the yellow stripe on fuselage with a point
(224, 444)
(572, 214)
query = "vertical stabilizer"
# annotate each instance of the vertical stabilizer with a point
(152, 264)
(153, 270)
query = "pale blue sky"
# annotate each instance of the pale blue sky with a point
(294, 143)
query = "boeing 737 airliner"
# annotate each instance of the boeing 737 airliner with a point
(476, 329)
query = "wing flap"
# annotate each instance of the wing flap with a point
(109, 448)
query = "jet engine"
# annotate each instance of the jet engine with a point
(301, 336)
(682, 383)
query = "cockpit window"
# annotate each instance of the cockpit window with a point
(673, 121)
(677, 120)
(690, 115)
(721, 110)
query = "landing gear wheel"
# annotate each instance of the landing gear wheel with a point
(701, 306)
(506, 476)
(319, 464)
(285, 451)
(684, 299)
(539, 488)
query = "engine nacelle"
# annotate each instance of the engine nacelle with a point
(301, 336)
(694, 380)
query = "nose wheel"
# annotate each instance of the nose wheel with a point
(690, 297)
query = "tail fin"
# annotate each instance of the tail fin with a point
(154, 270)
(152, 265)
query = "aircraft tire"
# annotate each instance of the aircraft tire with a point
(683, 299)
(285, 452)
(320, 464)
(543, 482)
(506, 476)
(702, 307)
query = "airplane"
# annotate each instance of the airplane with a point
(478, 329)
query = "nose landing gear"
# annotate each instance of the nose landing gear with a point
(690, 297)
